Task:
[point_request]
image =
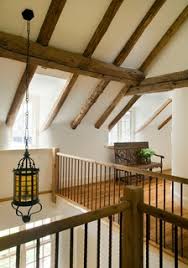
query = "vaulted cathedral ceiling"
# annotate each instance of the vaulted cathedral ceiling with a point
(150, 37)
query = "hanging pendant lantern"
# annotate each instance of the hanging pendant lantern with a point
(26, 175)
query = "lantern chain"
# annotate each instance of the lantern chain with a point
(27, 89)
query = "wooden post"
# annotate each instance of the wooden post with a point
(54, 173)
(132, 229)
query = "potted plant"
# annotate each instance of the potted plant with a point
(145, 155)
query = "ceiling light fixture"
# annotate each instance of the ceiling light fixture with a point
(26, 175)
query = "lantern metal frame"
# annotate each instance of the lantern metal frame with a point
(26, 175)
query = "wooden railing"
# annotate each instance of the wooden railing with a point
(95, 184)
(132, 211)
(58, 227)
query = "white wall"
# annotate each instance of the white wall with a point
(84, 141)
(159, 140)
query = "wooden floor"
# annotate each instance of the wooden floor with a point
(102, 194)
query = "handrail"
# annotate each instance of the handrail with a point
(61, 225)
(130, 169)
(164, 215)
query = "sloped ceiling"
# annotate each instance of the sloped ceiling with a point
(73, 31)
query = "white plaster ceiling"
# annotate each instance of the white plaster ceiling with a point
(74, 29)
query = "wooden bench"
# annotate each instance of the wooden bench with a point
(126, 153)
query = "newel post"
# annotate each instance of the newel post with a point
(55, 175)
(132, 229)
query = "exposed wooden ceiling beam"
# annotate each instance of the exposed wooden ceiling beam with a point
(138, 32)
(123, 111)
(154, 53)
(161, 83)
(165, 39)
(87, 105)
(50, 21)
(154, 115)
(102, 27)
(14, 47)
(93, 43)
(118, 61)
(165, 122)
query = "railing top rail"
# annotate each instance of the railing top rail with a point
(61, 225)
(130, 169)
(164, 215)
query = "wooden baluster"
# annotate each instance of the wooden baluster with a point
(85, 167)
(96, 172)
(109, 188)
(81, 182)
(92, 186)
(88, 183)
(116, 177)
(100, 188)
(78, 178)
(104, 186)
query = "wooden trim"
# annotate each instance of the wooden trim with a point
(123, 111)
(165, 39)
(155, 114)
(118, 61)
(164, 215)
(165, 122)
(161, 83)
(130, 169)
(59, 226)
(10, 198)
(46, 31)
(138, 32)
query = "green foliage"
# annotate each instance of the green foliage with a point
(146, 153)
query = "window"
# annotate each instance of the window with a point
(8, 256)
(45, 248)
(123, 130)
(28, 250)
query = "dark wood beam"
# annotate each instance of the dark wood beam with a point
(118, 61)
(50, 21)
(165, 39)
(93, 43)
(161, 83)
(123, 111)
(138, 32)
(165, 122)
(14, 47)
(102, 27)
(153, 54)
(88, 104)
